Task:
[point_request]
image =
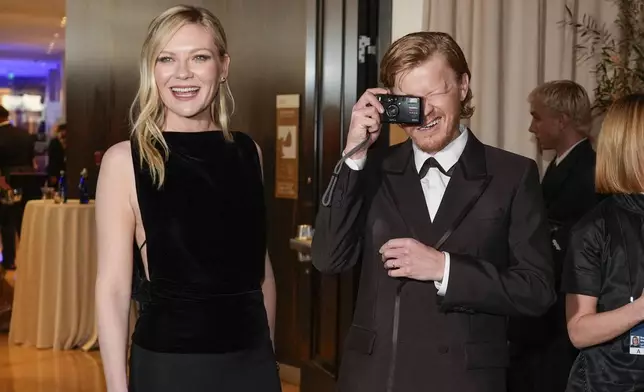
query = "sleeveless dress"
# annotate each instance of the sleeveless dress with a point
(202, 324)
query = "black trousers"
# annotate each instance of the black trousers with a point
(10, 217)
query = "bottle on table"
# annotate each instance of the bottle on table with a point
(83, 188)
(62, 186)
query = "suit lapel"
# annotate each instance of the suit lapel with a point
(551, 167)
(468, 182)
(402, 185)
(554, 178)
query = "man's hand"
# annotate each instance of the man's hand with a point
(406, 257)
(365, 121)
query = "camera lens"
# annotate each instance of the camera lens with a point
(392, 110)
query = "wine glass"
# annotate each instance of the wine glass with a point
(16, 197)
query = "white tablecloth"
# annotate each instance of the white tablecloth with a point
(56, 272)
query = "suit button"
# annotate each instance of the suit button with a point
(443, 349)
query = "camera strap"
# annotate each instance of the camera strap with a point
(328, 193)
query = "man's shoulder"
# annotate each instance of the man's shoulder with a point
(16, 132)
(500, 154)
(394, 147)
(379, 155)
(505, 161)
(13, 128)
(594, 221)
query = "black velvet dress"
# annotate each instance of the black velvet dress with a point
(202, 324)
(606, 260)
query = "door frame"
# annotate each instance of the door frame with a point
(319, 161)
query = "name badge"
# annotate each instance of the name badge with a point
(637, 340)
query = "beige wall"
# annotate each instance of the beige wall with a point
(407, 16)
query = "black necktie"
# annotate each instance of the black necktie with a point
(432, 162)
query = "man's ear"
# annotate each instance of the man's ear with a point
(464, 86)
(564, 121)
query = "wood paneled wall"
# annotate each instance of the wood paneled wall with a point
(267, 42)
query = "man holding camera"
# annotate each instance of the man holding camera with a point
(451, 235)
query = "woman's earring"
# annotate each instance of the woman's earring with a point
(223, 80)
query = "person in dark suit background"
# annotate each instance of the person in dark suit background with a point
(56, 151)
(431, 314)
(16, 147)
(542, 353)
(16, 156)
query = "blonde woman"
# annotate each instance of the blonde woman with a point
(190, 192)
(604, 271)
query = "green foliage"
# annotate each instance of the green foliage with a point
(618, 57)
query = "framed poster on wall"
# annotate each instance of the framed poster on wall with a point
(286, 151)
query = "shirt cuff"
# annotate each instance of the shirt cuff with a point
(355, 164)
(442, 285)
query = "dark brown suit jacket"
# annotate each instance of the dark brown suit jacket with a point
(501, 265)
(16, 150)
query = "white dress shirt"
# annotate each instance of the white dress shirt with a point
(433, 184)
(565, 154)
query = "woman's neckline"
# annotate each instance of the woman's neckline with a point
(193, 132)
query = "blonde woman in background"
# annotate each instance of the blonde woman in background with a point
(190, 192)
(604, 271)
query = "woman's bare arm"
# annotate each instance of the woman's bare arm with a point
(268, 285)
(270, 296)
(588, 328)
(115, 224)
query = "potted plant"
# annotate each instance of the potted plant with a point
(618, 52)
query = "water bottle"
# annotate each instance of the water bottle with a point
(82, 187)
(62, 186)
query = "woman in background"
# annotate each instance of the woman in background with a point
(190, 192)
(604, 271)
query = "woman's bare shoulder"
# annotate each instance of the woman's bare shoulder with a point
(118, 156)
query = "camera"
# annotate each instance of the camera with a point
(401, 109)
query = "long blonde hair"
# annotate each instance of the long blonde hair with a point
(147, 113)
(620, 148)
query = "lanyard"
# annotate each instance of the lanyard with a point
(631, 260)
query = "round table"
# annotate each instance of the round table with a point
(53, 303)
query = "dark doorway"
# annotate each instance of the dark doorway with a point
(343, 45)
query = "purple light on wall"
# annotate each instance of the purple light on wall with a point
(29, 50)
(27, 68)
